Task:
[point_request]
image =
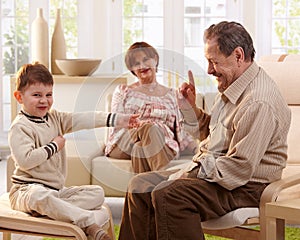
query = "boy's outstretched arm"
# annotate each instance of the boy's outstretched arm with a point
(127, 120)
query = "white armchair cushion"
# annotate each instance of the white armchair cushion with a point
(102, 215)
(229, 220)
(5, 208)
(232, 219)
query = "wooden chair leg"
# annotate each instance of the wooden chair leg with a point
(280, 229)
(110, 230)
(6, 236)
(263, 222)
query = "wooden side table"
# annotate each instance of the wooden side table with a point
(276, 215)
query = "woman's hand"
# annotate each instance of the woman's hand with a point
(134, 121)
(186, 96)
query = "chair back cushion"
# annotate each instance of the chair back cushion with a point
(286, 74)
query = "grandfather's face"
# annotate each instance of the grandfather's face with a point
(225, 69)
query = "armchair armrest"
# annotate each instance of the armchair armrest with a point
(272, 191)
(270, 194)
(99, 152)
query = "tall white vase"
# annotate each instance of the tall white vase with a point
(40, 39)
(58, 44)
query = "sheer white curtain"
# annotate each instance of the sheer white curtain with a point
(99, 32)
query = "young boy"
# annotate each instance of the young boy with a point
(37, 146)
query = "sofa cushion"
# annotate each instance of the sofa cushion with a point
(114, 174)
(286, 75)
(293, 136)
(80, 153)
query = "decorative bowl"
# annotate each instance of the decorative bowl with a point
(78, 66)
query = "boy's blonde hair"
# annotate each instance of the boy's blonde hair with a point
(33, 73)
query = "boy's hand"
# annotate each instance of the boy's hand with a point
(127, 120)
(60, 141)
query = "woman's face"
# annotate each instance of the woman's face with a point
(144, 67)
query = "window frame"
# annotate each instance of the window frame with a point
(33, 5)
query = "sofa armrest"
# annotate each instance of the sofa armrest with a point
(79, 156)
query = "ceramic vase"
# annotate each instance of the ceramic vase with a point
(58, 44)
(40, 39)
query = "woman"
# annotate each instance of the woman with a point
(160, 137)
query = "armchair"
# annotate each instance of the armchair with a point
(286, 75)
(12, 221)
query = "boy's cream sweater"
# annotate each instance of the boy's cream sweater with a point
(36, 157)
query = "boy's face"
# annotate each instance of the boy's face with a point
(36, 99)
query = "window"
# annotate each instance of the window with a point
(15, 48)
(142, 19)
(198, 15)
(175, 29)
(285, 26)
(15, 40)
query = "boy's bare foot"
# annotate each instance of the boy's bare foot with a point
(96, 232)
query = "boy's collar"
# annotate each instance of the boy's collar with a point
(35, 118)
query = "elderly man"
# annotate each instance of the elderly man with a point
(243, 147)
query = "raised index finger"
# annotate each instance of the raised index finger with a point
(191, 78)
